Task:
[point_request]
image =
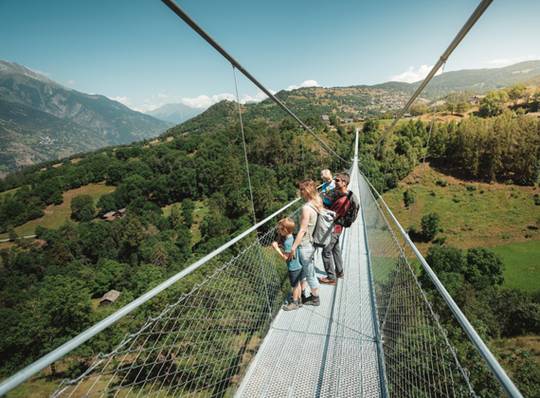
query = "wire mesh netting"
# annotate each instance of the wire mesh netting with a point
(201, 343)
(426, 352)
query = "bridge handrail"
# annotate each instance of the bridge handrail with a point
(476, 340)
(35, 367)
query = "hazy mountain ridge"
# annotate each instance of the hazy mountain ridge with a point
(481, 80)
(175, 113)
(369, 101)
(81, 122)
(76, 121)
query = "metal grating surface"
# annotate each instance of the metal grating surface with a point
(326, 351)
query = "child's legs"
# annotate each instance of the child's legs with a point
(296, 292)
(295, 277)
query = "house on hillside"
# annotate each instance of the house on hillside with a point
(325, 119)
(113, 215)
(110, 297)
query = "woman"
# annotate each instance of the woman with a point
(304, 238)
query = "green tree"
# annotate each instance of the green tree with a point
(493, 103)
(110, 274)
(517, 312)
(187, 211)
(484, 268)
(418, 108)
(517, 92)
(107, 203)
(176, 218)
(64, 310)
(457, 102)
(146, 277)
(430, 225)
(82, 208)
(409, 197)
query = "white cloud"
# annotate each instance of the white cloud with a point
(413, 74)
(204, 101)
(502, 62)
(71, 82)
(305, 83)
(149, 104)
(129, 103)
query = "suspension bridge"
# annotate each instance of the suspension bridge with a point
(378, 333)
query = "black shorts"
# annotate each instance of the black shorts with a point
(295, 277)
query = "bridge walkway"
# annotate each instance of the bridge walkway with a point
(326, 351)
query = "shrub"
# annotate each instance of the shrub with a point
(441, 182)
(430, 226)
(409, 197)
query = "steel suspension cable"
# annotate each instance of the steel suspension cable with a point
(193, 25)
(244, 145)
(475, 16)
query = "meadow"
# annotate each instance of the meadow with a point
(501, 217)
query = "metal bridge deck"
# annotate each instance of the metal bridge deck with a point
(326, 351)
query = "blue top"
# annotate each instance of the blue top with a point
(326, 189)
(294, 264)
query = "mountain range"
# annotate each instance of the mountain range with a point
(175, 113)
(43, 120)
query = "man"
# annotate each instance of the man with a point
(331, 254)
(327, 188)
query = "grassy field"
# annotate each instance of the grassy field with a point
(472, 214)
(56, 215)
(501, 217)
(522, 265)
(8, 192)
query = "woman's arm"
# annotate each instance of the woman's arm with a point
(304, 222)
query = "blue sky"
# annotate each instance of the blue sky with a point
(142, 54)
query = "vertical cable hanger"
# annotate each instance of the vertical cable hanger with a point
(244, 144)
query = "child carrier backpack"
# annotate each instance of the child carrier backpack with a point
(352, 212)
(322, 233)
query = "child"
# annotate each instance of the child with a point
(285, 229)
(327, 188)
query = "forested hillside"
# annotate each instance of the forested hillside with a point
(49, 287)
(489, 154)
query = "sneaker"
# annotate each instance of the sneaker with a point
(305, 299)
(327, 281)
(315, 301)
(293, 305)
(339, 275)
